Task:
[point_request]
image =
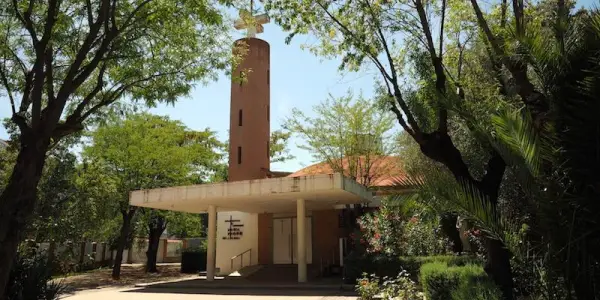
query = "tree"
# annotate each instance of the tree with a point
(539, 64)
(146, 151)
(65, 63)
(373, 33)
(278, 146)
(154, 222)
(352, 135)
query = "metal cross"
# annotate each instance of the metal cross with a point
(256, 23)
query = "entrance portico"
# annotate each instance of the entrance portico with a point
(297, 196)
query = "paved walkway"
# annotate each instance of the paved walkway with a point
(198, 294)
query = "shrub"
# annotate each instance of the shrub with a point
(379, 265)
(367, 286)
(193, 260)
(391, 230)
(399, 287)
(382, 265)
(437, 281)
(30, 278)
(443, 282)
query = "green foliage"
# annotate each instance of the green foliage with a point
(398, 287)
(412, 264)
(30, 278)
(443, 282)
(278, 146)
(368, 286)
(402, 230)
(351, 134)
(147, 151)
(151, 51)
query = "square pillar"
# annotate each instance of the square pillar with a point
(301, 235)
(211, 252)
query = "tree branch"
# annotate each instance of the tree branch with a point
(26, 20)
(26, 100)
(66, 88)
(8, 89)
(127, 22)
(436, 60)
(442, 30)
(76, 115)
(49, 74)
(416, 131)
(493, 176)
(535, 101)
(503, 9)
(519, 20)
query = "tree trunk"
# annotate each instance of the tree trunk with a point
(127, 217)
(498, 266)
(448, 224)
(156, 227)
(17, 202)
(439, 147)
(52, 256)
(81, 255)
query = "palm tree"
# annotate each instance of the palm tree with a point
(554, 155)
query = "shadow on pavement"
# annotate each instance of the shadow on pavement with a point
(244, 291)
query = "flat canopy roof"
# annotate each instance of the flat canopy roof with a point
(257, 196)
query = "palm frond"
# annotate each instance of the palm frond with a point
(442, 192)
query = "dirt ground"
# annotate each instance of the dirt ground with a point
(130, 275)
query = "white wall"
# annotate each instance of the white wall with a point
(229, 248)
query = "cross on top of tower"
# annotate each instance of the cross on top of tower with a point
(253, 24)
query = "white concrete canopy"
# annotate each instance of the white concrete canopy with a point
(257, 196)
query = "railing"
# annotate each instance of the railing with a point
(241, 256)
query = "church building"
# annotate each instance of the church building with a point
(260, 217)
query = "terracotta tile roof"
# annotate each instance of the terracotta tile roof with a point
(383, 170)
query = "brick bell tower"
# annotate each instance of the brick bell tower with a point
(249, 124)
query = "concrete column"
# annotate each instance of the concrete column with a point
(301, 235)
(211, 252)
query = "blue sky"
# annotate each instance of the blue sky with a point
(298, 79)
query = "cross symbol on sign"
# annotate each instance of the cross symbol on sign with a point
(234, 229)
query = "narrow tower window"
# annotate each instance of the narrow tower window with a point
(239, 155)
(268, 76)
(268, 113)
(268, 151)
(240, 118)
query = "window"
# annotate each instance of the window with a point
(268, 150)
(268, 77)
(268, 113)
(239, 155)
(240, 118)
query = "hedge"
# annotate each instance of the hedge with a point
(193, 261)
(381, 265)
(441, 281)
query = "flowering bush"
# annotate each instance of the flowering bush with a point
(423, 238)
(476, 240)
(367, 286)
(381, 231)
(387, 231)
